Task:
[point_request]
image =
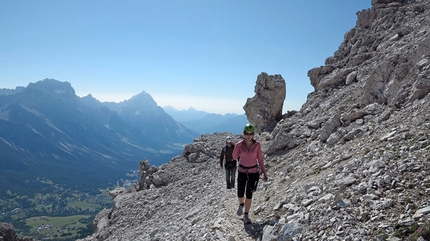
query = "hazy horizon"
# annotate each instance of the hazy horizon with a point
(204, 54)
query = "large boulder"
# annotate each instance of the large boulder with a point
(264, 110)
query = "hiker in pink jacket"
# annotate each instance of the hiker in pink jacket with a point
(248, 152)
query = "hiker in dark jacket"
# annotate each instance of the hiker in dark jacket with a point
(229, 165)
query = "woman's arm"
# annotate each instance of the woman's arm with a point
(236, 151)
(260, 160)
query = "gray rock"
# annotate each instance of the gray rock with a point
(264, 110)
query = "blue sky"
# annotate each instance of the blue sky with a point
(201, 53)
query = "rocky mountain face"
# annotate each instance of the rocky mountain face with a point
(143, 112)
(49, 133)
(352, 164)
(264, 110)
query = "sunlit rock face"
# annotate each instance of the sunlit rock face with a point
(264, 110)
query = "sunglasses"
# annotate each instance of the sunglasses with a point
(249, 133)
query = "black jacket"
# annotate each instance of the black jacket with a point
(227, 154)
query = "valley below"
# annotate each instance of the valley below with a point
(53, 212)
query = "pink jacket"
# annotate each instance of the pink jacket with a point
(249, 157)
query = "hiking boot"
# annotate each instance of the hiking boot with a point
(239, 210)
(246, 219)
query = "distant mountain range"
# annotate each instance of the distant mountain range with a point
(143, 113)
(208, 123)
(49, 133)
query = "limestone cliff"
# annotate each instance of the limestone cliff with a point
(264, 110)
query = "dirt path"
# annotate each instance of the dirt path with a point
(233, 224)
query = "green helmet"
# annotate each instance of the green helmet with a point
(249, 127)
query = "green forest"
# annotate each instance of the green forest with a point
(52, 212)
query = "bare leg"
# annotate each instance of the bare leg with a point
(248, 203)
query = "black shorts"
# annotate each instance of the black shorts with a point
(247, 184)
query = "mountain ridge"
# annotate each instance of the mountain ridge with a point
(207, 123)
(47, 131)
